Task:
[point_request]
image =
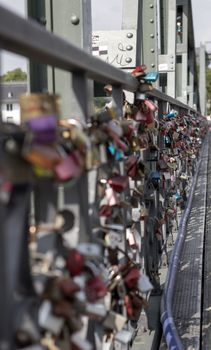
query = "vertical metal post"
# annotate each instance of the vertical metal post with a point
(191, 86)
(167, 56)
(182, 48)
(202, 79)
(45, 191)
(142, 16)
(163, 10)
(149, 34)
(171, 48)
(117, 96)
(130, 20)
(77, 197)
(37, 79)
(70, 20)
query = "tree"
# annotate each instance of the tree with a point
(15, 75)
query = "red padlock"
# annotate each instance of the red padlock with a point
(68, 287)
(132, 277)
(75, 262)
(95, 289)
(118, 183)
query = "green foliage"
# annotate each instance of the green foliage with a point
(208, 80)
(15, 75)
(99, 103)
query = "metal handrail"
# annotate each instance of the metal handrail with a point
(30, 39)
(170, 331)
(160, 96)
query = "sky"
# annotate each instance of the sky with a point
(107, 15)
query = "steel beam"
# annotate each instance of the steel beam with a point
(191, 73)
(202, 79)
(182, 48)
(71, 20)
(148, 25)
(171, 48)
(37, 77)
(167, 57)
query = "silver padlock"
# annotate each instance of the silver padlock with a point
(47, 320)
(90, 250)
(140, 96)
(80, 344)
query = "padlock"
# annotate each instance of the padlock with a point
(77, 343)
(75, 262)
(39, 104)
(105, 210)
(139, 71)
(65, 310)
(90, 250)
(128, 128)
(69, 167)
(95, 311)
(68, 287)
(115, 128)
(130, 236)
(144, 284)
(151, 76)
(49, 343)
(118, 183)
(44, 156)
(95, 289)
(114, 321)
(51, 290)
(44, 129)
(152, 106)
(131, 278)
(131, 166)
(124, 337)
(47, 320)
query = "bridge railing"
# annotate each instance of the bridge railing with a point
(29, 39)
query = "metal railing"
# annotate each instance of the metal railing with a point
(27, 38)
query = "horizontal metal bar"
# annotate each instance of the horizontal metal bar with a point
(28, 38)
(163, 97)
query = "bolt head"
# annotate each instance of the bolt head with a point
(129, 47)
(75, 20)
(129, 35)
(128, 60)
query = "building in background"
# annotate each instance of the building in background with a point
(10, 108)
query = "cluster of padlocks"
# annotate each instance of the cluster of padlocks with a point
(143, 161)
